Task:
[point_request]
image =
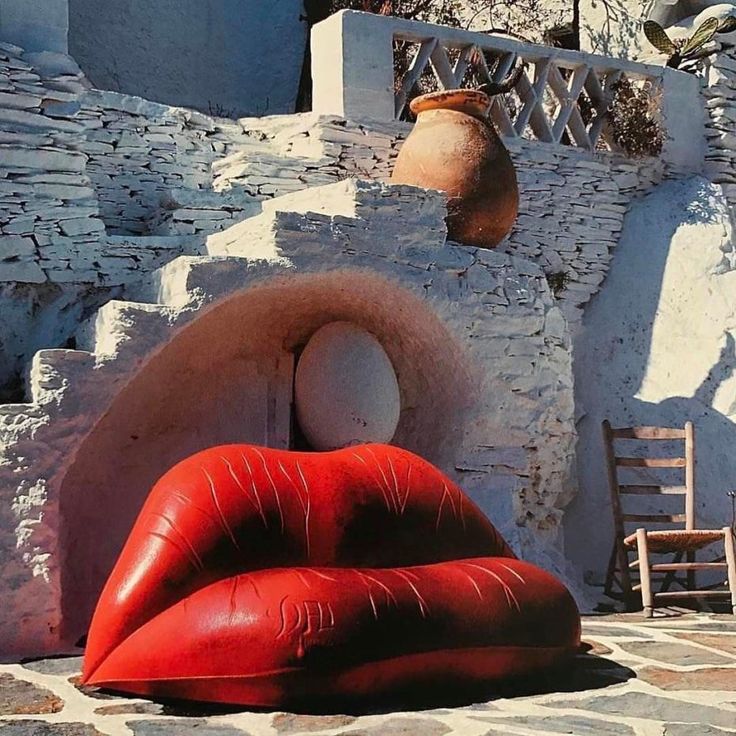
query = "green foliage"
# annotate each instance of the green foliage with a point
(680, 50)
(657, 36)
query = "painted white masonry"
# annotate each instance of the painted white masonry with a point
(658, 347)
(227, 57)
(254, 50)
(159, 179)
(258, 217)
(353, 74)
(36, 25)
(480, 349)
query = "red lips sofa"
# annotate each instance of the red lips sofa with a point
(272, 578)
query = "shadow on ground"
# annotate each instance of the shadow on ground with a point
(586, 671)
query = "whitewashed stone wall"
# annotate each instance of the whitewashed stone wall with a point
(572, 202)
(658, 347)
(48, 206)
(719, 92)
(159, 179)
(480, 347)
(140, 151)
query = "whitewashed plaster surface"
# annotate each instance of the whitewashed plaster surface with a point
(145, 183)
(37, 25)
(231, 57)
(100, 188)
(658, 347)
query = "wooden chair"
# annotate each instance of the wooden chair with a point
(682, 542)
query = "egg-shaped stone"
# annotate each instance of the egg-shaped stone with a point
(346, 391)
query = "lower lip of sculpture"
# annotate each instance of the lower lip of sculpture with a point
(298, 635)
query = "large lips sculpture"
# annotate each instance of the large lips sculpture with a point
(271, 578)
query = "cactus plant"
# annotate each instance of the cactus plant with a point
(680, 50)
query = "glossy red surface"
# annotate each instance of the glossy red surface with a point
(274, 578)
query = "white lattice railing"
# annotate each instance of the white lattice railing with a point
(556, 99)
(560, 97)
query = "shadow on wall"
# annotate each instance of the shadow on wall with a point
(612, 27)
(221, 380)
(229, 58)
(657, 348)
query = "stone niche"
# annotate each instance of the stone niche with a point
(228, 377)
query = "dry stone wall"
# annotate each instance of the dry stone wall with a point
(719, 84)
(140, 151)
(572, 203)
(48, 206)
(158, 170)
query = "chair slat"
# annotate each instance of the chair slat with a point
(648, 433)
(651, 462)
(682, 565)
(653, 490)
(689, 566)
(654, 518)
(691, 594)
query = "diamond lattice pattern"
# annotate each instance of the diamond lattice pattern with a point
(553, 100)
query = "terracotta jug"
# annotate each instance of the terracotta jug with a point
(454, 147)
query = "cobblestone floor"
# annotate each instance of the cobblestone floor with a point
(674, 675)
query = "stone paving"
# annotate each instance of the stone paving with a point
(674, 675)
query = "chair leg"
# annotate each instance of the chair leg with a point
(629, 596)
(731, 562)
(691, 580)
(646, 581)
(610, 573)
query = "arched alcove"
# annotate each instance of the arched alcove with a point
(226, 378)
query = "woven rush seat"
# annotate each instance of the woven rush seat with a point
(673, 540)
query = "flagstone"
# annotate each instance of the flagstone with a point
(596, 647)
(131, 709)
(594, 629)
(40, 728)
(289, 723)
(686, 729)
(725, 642)
(674, 653)
(652, 707)
(577, 725)
(403, 727)
(18, 697)
(181, 726)
(91, 692)
(55, 665)
(712, 678)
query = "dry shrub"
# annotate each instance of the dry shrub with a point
(634, 118)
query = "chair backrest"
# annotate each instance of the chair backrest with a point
(685, 460)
